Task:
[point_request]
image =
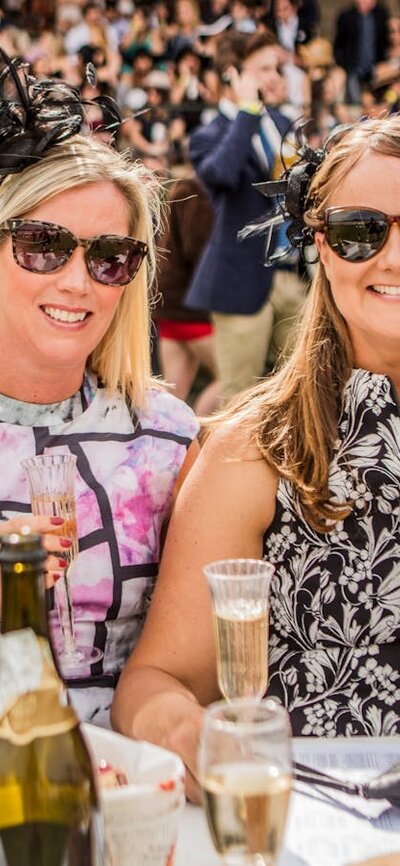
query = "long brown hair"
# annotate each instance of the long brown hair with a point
(293, 415)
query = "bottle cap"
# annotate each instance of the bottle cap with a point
(22, 546)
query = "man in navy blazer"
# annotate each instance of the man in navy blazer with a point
(240, 147)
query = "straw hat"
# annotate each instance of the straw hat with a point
(318, 52)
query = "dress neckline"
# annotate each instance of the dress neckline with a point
(382, 379)
(27, 414)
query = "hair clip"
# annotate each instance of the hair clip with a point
(35, 115)
(290, 199)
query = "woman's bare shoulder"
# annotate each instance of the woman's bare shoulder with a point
(234, 440)
(230, 469)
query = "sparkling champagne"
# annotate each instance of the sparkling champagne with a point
(241, 632)
(62, 505)
(246, 804)
(59, 505)
(49, 812)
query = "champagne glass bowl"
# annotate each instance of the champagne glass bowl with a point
(51, 480)
(245, 768)
(239, 594)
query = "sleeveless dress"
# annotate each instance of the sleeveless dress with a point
(127, 464)
(334, 645)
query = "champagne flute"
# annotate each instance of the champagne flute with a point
(245, 768)
(239, 593)
(51, 479)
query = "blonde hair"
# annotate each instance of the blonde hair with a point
(122, 358)
(293, 415)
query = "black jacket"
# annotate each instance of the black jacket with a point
(347, 36)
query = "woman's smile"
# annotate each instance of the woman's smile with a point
(65, 315)
(387, 291)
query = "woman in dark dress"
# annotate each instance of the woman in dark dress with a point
(303, 469)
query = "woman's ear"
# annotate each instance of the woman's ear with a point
(319, 238)
(322, 247)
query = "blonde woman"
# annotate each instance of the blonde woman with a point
(76, 261)
(303, 469)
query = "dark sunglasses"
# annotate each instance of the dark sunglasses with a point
(357, 233)
(46, 247)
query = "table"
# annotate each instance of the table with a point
(324, 829)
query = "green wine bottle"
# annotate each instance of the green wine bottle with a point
(49, 809)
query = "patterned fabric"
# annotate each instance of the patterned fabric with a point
(126, 470)
(335, 597)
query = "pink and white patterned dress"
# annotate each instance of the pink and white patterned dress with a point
(127, 464)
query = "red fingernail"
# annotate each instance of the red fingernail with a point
(56, 521)
(56, 576)
(62, 563)
(65, 542)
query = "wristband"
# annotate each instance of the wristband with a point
(251, 107)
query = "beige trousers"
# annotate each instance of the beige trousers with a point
(244, 342)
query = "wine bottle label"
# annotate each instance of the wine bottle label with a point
(21, 665)
(36, 702)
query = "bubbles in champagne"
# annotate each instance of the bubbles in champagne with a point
(59, 505)
(246, 805)
(241, 631)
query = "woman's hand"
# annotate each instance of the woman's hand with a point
(56, 544)
(184, 740)
(150, 705)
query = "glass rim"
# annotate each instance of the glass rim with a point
(44, 459)
(276, 713)
(215, 568)
(224, 571)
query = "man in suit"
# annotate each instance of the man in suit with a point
(361, 41)
(240, 147)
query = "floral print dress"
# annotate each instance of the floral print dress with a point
(127, 464)
(334, 645)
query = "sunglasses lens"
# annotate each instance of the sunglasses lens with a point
(356, 234)
(114, 261)
(41, 247)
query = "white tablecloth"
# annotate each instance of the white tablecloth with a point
(322, 830)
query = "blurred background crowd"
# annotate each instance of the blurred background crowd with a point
(160, 55)
(166, 62)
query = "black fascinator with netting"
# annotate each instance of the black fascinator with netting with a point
(36, 114)
(290, 199)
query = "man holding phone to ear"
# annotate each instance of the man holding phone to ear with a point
(240, 147)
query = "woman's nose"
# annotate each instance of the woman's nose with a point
(74, 275)
(390, 253)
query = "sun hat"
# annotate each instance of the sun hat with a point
(317, 52)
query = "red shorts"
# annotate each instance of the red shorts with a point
(183, 331)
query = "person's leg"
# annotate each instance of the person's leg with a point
(209, 398)
(178, 365)
(287, 299)
(204, 350)
(241, 344)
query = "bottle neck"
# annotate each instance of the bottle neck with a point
(23, 598)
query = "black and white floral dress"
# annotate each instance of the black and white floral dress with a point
(334, 647)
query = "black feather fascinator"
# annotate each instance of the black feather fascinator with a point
(36, 114)
(290, 199)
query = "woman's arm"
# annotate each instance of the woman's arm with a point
(134, 136)
(223, 509)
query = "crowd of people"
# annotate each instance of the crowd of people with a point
(304, 467)
(160, 56)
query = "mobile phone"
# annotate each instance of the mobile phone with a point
(226, 77)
